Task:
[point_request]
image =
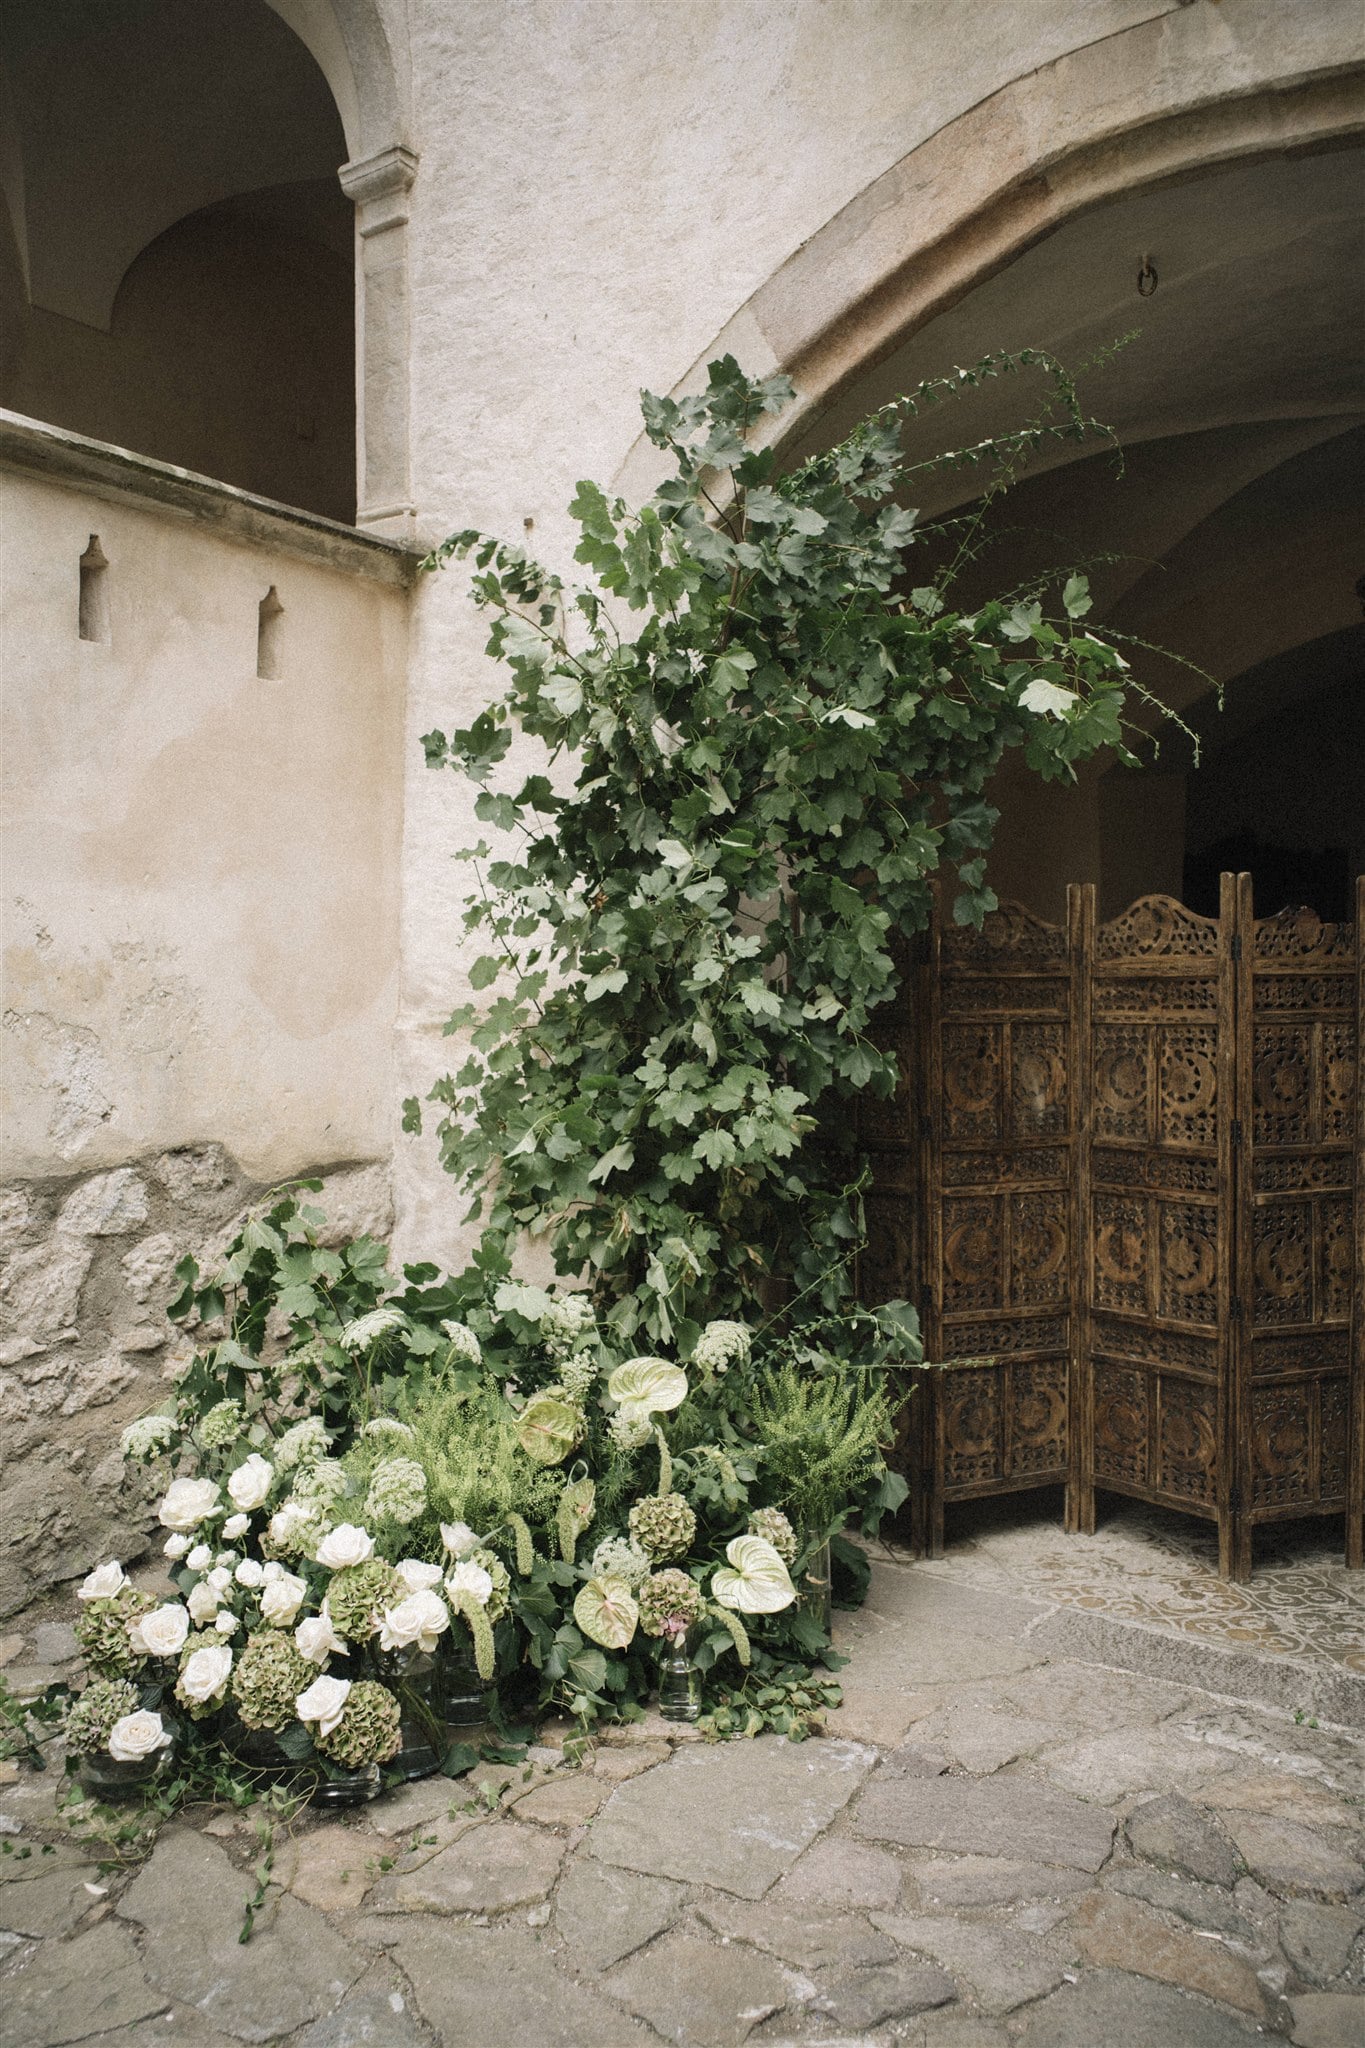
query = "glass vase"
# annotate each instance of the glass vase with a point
(101, 1776)
(679, 1684)
(342, 1787)
(465, 1693)
(416, 1678)
(815, 1594)
(269, 1753)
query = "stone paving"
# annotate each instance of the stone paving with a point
(1002, 1839)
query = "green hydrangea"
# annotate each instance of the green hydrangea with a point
(616, 1557)
(102, 1632)
(772, 1525)
(221, 1426)
(720, 1346)
(664, 1526)
(369, 1731)
(565, 1323)
(268, 1678)
(90, 1718)
(295, 1529)
(148, 1437)
(358, 1595)
(464, 1345)
(669, 1603)
(496, 1605)
(324, 1480)
(398, 1491)
(303, 1443)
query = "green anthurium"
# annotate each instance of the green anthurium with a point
(606, 1610)
(755, 1581)
(549, 1428)
(647, 1386)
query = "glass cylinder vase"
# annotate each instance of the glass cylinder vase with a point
(416, 1678)
(269, 1753)
(103, 1777)
(679, 1684)
(342, 1787)
(465, 1695)
(815, 1592)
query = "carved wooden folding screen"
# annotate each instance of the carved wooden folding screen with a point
(1134, 1182)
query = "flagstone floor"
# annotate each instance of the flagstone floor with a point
(1032, 1825)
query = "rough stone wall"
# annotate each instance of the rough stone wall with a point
(85, 1344)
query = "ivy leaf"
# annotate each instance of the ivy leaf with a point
(610, 983)
(714, 1148)
(1076, 596)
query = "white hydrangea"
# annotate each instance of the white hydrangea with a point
(147, 1437)
(720, 1346)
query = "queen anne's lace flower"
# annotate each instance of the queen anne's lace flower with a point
(221, 1426)
(565, 1323)
(90, 1718)
(303, 1443)
(629, 1431)
(720, 1346)
(465, 1348)
(663, 1526)
(368, 1730)
(388, 1426)
(398, 1491)
(618, 1558)
(148, 1437)
(772, 1525)
(323, 1481)
(579, 1375)
(365, 1330)
(270, 1674)
(669, 1604)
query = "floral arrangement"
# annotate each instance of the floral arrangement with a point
(357, 1475)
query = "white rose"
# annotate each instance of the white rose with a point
(235, 1526)
(188, 1502)
(458, 1538)
(415, 1577)
(225, 1560)
(251, 1482)
(250, 1574)
(103, 1583)
(345, 1545)
(137, 1735)
(206, 1674)
(220, 1578)
(203, 1603)
(200, 1558)
(470, 1578)
(281, 1599)
(419, 1620)
(161, 1633)
(175, 1546)
(317, 1640)
(226, 1624)
(324, 1702)
(274, 1570)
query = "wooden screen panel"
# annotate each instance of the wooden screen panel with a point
(1299, 1242)
(1156, 1209)
(998, 1074)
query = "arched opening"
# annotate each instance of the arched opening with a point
(180, 277)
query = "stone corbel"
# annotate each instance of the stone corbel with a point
(378, 186)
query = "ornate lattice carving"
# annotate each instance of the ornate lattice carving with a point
(1187, 1440)
(1334, 1397)
(1301, 935)
(1336, 1239)
(973, 1447)
(1120, 1233)
(1303, 1172)
(1009, 929)
(1135, 1340)
(1188, 1278)
(1187, 1084)
(1121, 1424)
(1282, 1261)
(1338, 1080)
(1038, 1080)
(1281, 1446)
(1147, 996)
(1037, 1434)
(973, 1254)
(1281, 1080)
(1119, 1094)
(1034, 1333)
(886, 1266)
(972, 1105)
(977, 995)
(1308, 1351)
(1039, 1242)
(1157, 928)
(1170, 1173)
(1004, 1169)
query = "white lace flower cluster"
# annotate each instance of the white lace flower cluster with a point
(616, 1557)
(398, 1491)
(720, 1346)
(565, 1323)
(465, 1348)
(365, 1330)
(148, 1437)
(303, 1443)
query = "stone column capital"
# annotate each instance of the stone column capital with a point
(379, 186)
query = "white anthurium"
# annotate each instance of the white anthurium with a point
(317, 1640)
(458, 1538)
(103, 1583)
(323, 1703)
(1050, 697)
(188, 1502)
(468, 1577)
(137, 1736)
(415, 1623)
(347, 1544)
(414, 1576)
(251, 1482)
(755, 1581)
(161, 1633)
(607, 1610)
(647, 1386)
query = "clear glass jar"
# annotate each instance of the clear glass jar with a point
(101, 1776)
(679, 1684)
(264, 1751)
(815, 1591)
(416, 1678)
(465, 1695)
(341, 1787)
